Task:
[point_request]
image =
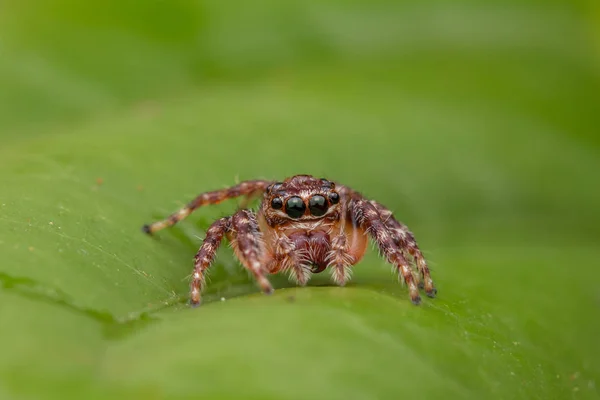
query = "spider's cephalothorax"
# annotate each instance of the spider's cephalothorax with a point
(304, 225)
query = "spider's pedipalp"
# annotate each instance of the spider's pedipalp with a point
(291, 259)
(340, 259)
(248, 245)
(246, 188)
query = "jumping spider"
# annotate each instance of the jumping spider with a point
(303, 226)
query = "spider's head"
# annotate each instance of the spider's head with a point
(301, 198)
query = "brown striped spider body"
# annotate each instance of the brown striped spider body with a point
(304, 225)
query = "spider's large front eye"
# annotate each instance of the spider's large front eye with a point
(295, 207)
(277, 203)
(317, 205)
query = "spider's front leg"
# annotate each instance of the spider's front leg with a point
(242, 230)
(206, 255)
(367, 217)
(247, 242)
(246, 188)
(404, 239)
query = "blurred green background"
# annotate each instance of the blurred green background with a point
(476, 122)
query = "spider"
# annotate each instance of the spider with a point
(303, 226)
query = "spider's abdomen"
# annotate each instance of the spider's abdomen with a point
(314, 247)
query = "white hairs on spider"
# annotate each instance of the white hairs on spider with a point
(342, 274)
(299, 273)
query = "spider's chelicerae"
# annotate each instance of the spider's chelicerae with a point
(303, 226)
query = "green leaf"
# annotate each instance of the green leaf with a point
(480, 135)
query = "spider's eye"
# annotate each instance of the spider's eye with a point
(327, 184)
(334, 198)
(295, 207)
(277, 203)
(274, 186)
(317, 205)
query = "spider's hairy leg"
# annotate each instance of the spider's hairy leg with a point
(366, 216)
(246, 188)
(248, 245)
(206, 255)
(405, 239)
(291, 259)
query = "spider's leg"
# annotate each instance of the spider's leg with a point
(289, 258)
(246, 240)
(206, 255)
(246, 188)
(245, 201)
(405, 240)
(365, 215)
